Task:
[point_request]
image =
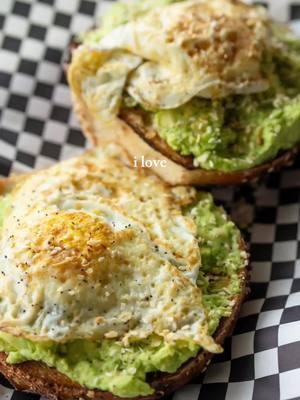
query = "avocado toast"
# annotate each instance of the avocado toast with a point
(210, 86)
(119, 286)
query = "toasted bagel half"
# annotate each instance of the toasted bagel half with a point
(137, 139)
(37, 377)
(140, 139)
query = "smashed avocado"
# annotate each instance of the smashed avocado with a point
(232, 134)
(108, 365)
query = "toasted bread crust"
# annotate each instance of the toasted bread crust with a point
(6, 184)
(36, 377)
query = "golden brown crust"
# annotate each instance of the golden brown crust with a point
(36, 377)
(3, 185)
(7, 183)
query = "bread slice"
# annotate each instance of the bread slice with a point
(37, 377)
(139, 140)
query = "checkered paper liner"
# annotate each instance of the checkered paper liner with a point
(261, 361)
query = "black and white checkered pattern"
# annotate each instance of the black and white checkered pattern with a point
(37, 127)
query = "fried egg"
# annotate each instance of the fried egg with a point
(206, 48)
(93, 249)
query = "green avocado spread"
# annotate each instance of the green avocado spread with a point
(108, 365)
(232, 134)
(237, 132)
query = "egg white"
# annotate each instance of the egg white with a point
(93, 249)
(206, 48)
